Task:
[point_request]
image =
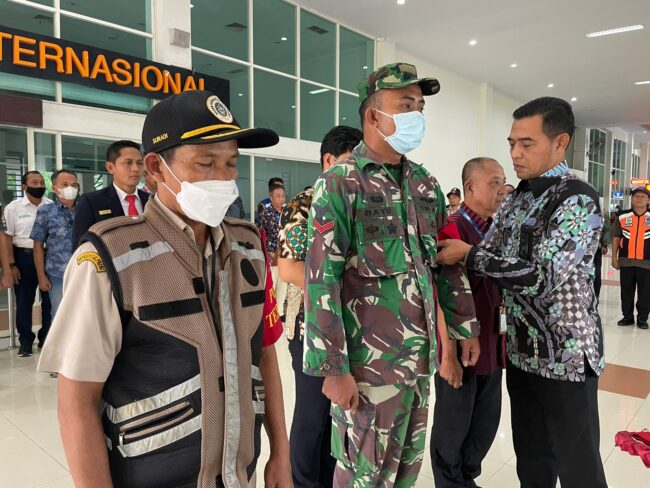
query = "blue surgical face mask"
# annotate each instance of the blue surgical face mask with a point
(409, 131)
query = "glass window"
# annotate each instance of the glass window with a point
(317, 49)
(13, 162)
(275, 35)
(135, 14)
(32, 20)
(45, 147)
(237, 74)
(113, 40)
(87, 157)
(316, 112)
(349, 111)
(275, 103)
(296, 175)
(221, 26)
(244, 183)
(357, 55)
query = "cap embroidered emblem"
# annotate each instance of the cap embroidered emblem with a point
(219, 109)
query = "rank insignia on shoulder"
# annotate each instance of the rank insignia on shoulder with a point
(94, 258)
(322, 228)
(108, 211)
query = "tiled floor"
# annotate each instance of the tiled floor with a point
(31, 454)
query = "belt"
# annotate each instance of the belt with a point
(24, 249)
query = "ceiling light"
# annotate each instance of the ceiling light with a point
(618, 30)
(513, 65)
(191, 5)
(365, 67)
(283, 38)
(472, 42)
(401, 2)
(345, 118)
(315, 92)
(647, 82)
(240, 94)
(293, 106)
(574, 99)
(550, 85)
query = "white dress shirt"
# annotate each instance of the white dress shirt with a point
(125, 203)
(19, 217)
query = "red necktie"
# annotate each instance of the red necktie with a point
(133, 212)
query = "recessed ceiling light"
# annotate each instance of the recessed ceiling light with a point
(618, 30)
(240, 94)
(472, 42)
(315, 92)
(401, 2)
(550, 85)
(293, 106)
(647, 82)
(345, 118)
(513, 65)
(574, 99)
(365, 67)
(283, 38)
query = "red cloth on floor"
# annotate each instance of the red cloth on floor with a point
(636, 443)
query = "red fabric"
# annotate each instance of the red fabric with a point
(272, 323)
(133, 212)
(636, 443)
(449, 231)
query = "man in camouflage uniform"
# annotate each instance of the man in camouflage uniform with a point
(372, 288)
(311, 462)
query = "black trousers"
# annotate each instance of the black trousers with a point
(25, 297)
(598, 269)
(465, 422)
(312, 464)
(633, 280)
(555, 430)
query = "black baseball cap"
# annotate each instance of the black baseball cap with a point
(197, 117)
(642, 189)
(454, 191)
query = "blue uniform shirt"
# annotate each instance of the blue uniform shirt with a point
(53, 226)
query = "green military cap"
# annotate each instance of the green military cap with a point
(396, 75)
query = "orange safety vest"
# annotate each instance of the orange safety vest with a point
(635, 243)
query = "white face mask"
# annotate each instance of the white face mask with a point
(69, 193)
(205, 201)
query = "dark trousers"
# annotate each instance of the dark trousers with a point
(465, 422)
(311, 429)
(598, 270)
(555, 430)
(633, 280)
(25, 297)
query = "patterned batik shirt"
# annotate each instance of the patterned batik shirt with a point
(269, 220)
(540, 250)
(292, 244)
(53, 226)
(372, 282)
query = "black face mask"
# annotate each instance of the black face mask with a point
(37, 192)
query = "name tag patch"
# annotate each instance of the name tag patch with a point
(94, 258)
(105, 212)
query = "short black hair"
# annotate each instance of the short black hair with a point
(56, 174)
(371, 101)
(339, 140)
(275, 181)
(23, 180)
(168, 154)
(275, 186)
(113, 151)
(472, 165)
(557, 115)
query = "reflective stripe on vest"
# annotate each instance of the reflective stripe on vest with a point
(635, 230)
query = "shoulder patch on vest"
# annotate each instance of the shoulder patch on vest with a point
(94, 258)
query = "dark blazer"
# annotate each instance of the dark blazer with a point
(96, 206)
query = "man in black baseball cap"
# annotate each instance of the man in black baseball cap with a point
(175, 342)
(454, 197)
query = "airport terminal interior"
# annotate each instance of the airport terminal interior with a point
(294, 67)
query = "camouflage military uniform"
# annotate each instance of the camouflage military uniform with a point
(372, 290)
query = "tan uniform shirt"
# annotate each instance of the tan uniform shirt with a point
(86, 334)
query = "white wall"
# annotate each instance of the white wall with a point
(464, 120)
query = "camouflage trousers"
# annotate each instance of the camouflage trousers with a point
(382, 443)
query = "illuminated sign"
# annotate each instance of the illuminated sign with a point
(27, 54)
(617, 195)
(639, 182)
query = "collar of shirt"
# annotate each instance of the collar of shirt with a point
(216, 233)
(26, 203)
(365, 156)
(481, 224)
(543, 182)
(122, 194)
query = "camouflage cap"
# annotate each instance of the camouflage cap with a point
(396, 75)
